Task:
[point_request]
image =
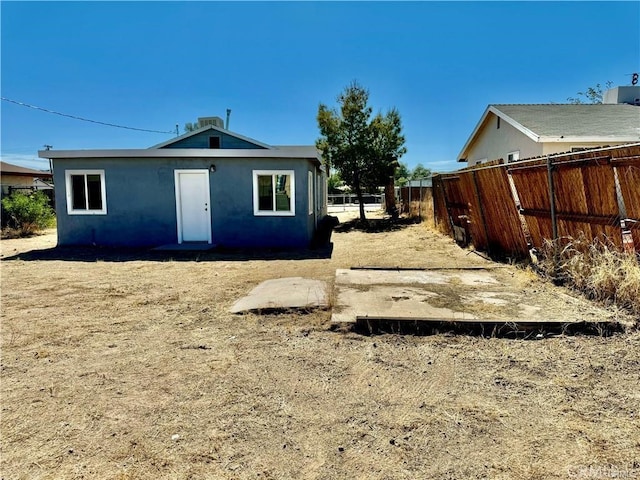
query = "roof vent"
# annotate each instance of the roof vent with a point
(206, 121)
(630, 95)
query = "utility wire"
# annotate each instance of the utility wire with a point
(81, 118)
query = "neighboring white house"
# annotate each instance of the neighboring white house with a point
(514, 132)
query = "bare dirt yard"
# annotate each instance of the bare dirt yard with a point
(127, 365)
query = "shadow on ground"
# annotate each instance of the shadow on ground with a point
(376, 225)
(532, 331)
(107, 254)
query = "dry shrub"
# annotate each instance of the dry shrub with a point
(9, 232)
(598, 268)
(28, 213)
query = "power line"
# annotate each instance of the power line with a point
(82, 118)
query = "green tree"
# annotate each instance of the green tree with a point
(402, 174)
(364, 151)
(388, 145)
(29, 212)
(420, 171)
(333, 182)
(592, 94)
(190, 127)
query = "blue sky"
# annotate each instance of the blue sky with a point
(153, 65)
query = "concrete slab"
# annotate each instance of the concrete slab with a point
(391, 302)
(442, 296)
(396, 277)
(284, 293)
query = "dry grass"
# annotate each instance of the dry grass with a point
(596, 268)
(10, 233)
(135, 370)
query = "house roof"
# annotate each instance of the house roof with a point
(8, 168)
(216, 129)
(274, 152)
(572, 123)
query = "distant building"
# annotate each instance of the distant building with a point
(14, 176)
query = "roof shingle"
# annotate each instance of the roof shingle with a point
(582, 120)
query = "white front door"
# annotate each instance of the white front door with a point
(192, 205)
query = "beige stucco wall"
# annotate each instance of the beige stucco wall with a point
(8, 180)
(561, 147)
(494, 143)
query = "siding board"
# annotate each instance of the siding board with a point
(201, 140)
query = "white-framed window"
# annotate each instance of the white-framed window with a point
(482, 160)
(310, 187)
(86, 194)
(274, 193)
(513, 156)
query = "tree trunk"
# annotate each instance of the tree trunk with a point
(358, 190)
(390, 198)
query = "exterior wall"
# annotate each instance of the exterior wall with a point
(201, 140)
(141, 203)
(319, 192)
(234, 224)
(9, 180)
(559, 147)
(494, 143)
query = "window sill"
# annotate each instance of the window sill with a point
(274, 214)
(87, 212)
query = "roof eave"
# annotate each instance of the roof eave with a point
(23, 174)
(589, 139)
(308, 153)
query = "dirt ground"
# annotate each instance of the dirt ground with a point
(128, 365)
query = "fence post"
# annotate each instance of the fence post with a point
(554, 220)
(484, 222)
(420, 202)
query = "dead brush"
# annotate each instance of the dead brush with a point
(597, 268)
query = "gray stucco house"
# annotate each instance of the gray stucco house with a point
(211, 186)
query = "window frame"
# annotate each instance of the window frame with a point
(514, 152)
(69, 192)
(256, 201)
(310, 191)
(320, 191)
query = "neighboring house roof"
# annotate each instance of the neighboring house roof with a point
(215, 129)
(10, 169)
(619, 123)
(289, 152)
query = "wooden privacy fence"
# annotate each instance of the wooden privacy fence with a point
(505, 209)
(416, 200)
